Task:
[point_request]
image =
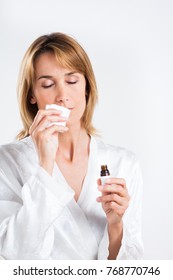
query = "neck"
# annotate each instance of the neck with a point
(73, 142)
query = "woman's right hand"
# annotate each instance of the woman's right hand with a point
(45, 137)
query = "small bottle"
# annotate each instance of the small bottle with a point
(104, 174)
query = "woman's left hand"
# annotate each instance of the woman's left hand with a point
(114, 199)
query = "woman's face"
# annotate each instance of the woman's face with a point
(57, 85)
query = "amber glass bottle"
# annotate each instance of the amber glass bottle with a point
(104, 174)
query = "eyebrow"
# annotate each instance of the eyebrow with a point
(45, 77)
(70, 73)
(50, 77)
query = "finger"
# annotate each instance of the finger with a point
(115, 189)
(99, 182)
(118, 209)
(54, 129)
(46, 121)
(112, 189)
(111, 197)
(44, 135)
(49, 121)
(117, 181)
(41, 114)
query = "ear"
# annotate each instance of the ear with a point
(33, 100)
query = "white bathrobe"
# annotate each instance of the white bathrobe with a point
(40, 219)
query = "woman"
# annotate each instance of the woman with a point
(53, 205)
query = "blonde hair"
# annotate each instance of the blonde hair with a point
(70, 55)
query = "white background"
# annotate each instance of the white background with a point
(130, 44)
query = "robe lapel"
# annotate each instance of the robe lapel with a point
(85, 234)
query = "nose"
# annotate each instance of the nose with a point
(61, 95)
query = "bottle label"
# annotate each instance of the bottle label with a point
(104, 179)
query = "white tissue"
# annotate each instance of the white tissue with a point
(65, 113)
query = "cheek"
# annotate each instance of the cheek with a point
(80, 105)
(81, 102)
(42, 99)
(80, 96)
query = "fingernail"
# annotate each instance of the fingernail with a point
(100, 188)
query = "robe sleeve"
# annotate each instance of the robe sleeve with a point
(26, 223)
(131, 245)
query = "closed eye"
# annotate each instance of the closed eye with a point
(71, 83)
(48, 86)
